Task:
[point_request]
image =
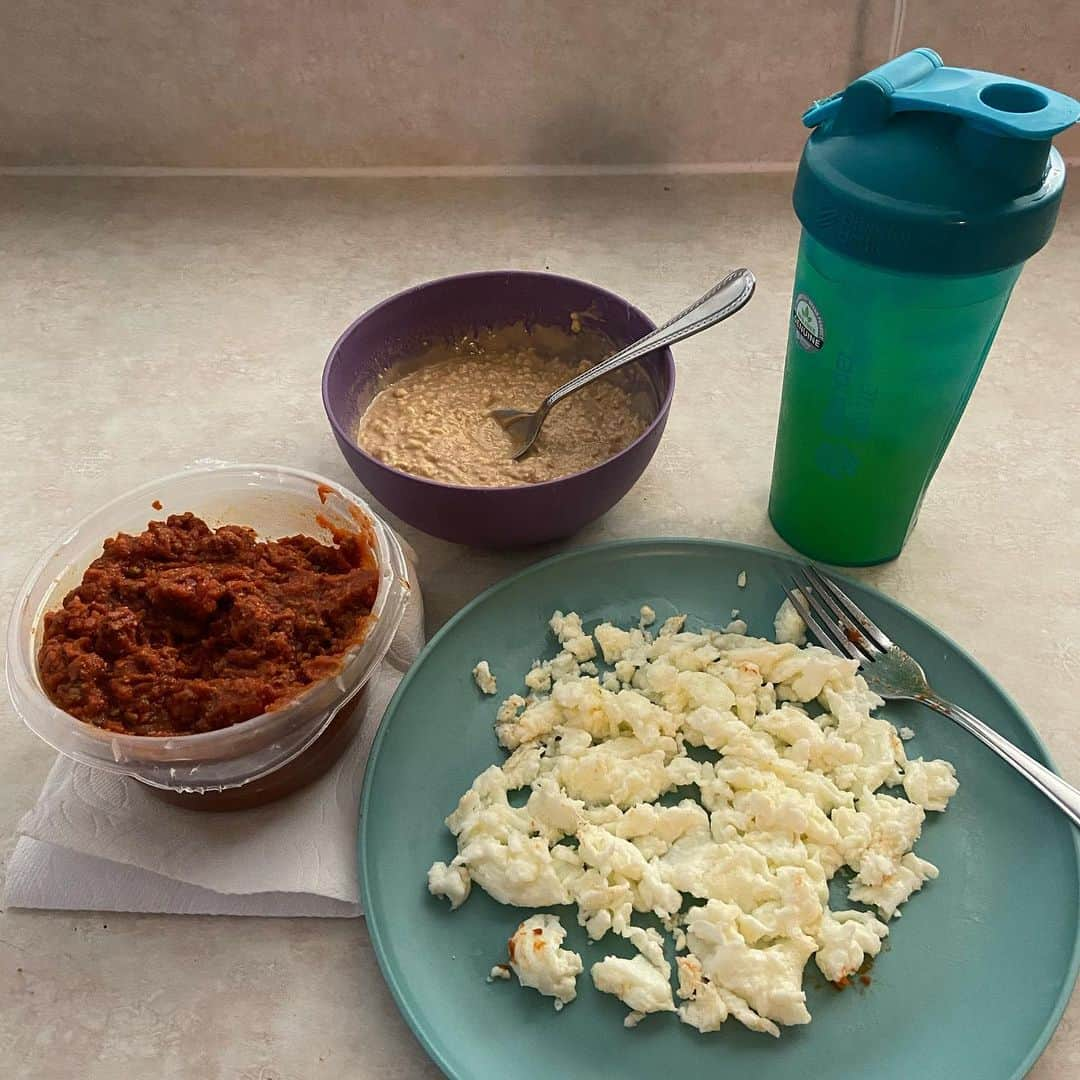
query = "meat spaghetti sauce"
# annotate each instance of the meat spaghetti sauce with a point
(185, 629)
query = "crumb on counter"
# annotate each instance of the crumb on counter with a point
(741, 579)
(648, 616)
(484, 679)
(906, 733)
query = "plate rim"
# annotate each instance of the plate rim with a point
(405, 1008)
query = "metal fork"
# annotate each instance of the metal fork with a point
(844, 628)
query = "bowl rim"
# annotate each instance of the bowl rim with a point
(342, 433)
(22, 676)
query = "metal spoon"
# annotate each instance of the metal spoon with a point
(720, 302)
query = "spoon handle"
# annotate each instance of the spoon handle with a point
(719, 303)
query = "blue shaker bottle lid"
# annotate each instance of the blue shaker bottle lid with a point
(926, 168)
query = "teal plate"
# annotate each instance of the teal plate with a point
(976, 973)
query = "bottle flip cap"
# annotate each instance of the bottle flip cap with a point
(921, 167)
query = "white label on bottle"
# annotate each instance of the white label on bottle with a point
(809, 327)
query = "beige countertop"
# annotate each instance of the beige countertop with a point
(150, 323)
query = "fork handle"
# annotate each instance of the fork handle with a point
(719, 303)
(1063, 795)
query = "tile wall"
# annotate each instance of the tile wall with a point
(354, 83)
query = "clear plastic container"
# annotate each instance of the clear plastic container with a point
(275, 501)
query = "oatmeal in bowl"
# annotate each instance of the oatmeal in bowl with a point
(409, 388)
(433, 418)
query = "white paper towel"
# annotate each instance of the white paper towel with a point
(100, 842)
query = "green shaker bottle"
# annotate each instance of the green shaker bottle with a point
(922, 190)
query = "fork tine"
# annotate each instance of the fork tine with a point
(795, 595)
(836, 614)
(866, 624)
(825, 617)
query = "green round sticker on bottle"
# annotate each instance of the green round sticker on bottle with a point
(809, 327)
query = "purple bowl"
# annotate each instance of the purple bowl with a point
(484, 516)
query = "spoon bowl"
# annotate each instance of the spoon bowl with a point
(522, 426)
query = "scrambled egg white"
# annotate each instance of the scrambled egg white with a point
(483, 678)
(789, 625)
(643, 982)
(786, 765)
(538, 959)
